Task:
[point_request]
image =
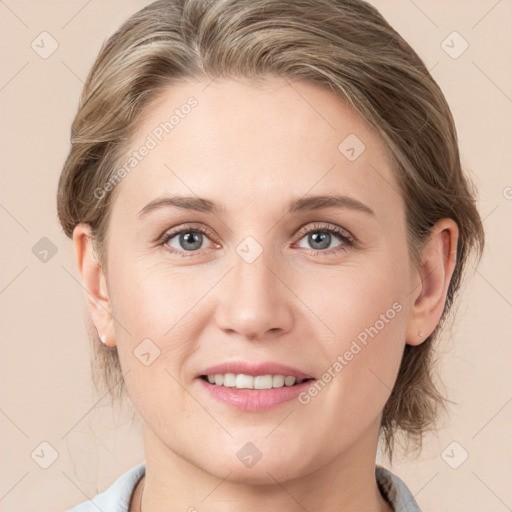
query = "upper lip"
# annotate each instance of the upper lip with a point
(266, 368)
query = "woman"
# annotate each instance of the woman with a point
(271, 222)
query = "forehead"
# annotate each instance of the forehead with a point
(239, 142)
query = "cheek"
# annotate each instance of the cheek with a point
(361, 363)
(153, 322)
(357, 300)
(362, 332)
(157, 321)
(152, 300)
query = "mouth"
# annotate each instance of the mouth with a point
(254, 382)
(250, 386)
(253, 393)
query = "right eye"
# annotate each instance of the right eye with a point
(185, 240)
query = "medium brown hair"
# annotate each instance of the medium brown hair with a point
(345, 46)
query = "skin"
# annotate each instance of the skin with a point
(252, 148)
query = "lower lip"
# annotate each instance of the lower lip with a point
(254, 399)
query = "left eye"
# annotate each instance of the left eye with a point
(320, 239)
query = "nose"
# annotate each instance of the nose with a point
(254, 300)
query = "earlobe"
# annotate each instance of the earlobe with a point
(93, 282)
(438, 260)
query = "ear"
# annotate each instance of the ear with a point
(438, 260)
(94, 283)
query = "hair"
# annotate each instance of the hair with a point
(345, 46)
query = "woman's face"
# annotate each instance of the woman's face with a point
(275, 277)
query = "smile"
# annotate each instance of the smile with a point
(242, 381)
(252, 393)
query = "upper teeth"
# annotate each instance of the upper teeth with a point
(242, 381)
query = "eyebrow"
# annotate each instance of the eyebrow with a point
(199, 204)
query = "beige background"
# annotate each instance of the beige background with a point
(46, 391)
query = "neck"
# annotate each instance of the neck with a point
(346, 484)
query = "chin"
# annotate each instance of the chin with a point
(260, 476)
(264, 470)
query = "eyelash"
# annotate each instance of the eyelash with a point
(342, 234)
